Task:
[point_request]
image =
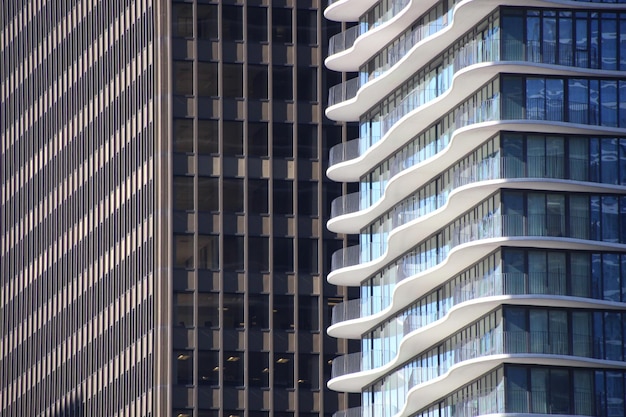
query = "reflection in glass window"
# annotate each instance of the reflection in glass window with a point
(182, 20)
(183, 78)
(183, 193)
(207, 79)
(281, 25)
(257, 24)
(283, 312)
(232, 23)
(233, 195)
(208, 194)
(232, 77)
(183, 309)
(208, 252)
(183, 251)
(207, 21)
(257, 139)
(183, 135)
(233, 253)
(233, 311)
(208, 309)
(208, 137)
(258, 193)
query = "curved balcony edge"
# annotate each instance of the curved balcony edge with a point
(370, 151)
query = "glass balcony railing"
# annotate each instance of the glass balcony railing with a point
(345, 40)
(474, 52)
(359, 307)
(494, 342)
(358, 361)
(489, 227)
(536, 283)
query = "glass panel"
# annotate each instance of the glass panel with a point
(560, 391)
(539, 387)
(516, 390)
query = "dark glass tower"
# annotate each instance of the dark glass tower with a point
(163, 209)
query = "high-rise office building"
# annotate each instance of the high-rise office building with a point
(163, 215)
(491, 208)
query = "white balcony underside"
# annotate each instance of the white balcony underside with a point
(422, 395)
(347, 10)
(408, 181)
(464, 83)
(457, 318)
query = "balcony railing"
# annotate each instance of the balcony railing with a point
(343, 91)
(474, 52)
(359, 361)
(493, 342)
(345, 40)
(357, 308)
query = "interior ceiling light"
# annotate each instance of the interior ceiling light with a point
(232, 359)
(282, 360)
(183, 357)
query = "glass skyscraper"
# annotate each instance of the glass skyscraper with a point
(163, 209)
(490, 211)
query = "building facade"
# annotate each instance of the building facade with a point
(163, 214)
(490, 211)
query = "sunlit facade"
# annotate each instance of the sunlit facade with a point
(490, 211)
(162, 209)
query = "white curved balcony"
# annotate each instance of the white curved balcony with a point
(352, 212)
(470, 302)
(514, 344)
(422, 107)
(357, 308)
(366, 315)
(347, 10)
(349, 267)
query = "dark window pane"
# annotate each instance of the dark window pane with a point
(183, 135)
(307, 256)
(182, 20)
(257, 24)
(283, 197)
(233, 138)
(283, 312)
(183, 251)
(208, 310)
(233, 80)
(308, 371)
(282, 140)
(258, 312)
(208, 252)
(208, 368)
(259, 369)
(233, 311)
(232, 19)
(283, 254)
(308, 313)
(258, 196)
(257, 81)
(183, 367)
(233, 195)
(208, 137)
(307, 27)
(257, 139)
(233, 253)
(307, 198)
(207, 79)
(208, 194)
(281, 25)
(283, 370)
(183, 78)
(307, 141)
(207, 21)
(258, 254)
(233, 368)
(282, 78)
(183, 193)
(183, 309)
(307, 84)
